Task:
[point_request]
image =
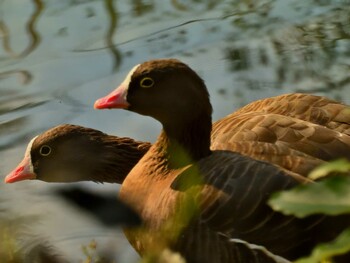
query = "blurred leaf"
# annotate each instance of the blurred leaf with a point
(340, 166)
(330, 196)
(93, 255)
(165, 256)
(323, 252)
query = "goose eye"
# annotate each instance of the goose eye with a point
(45, 150)
(146, 82)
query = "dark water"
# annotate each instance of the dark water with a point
(58, 57)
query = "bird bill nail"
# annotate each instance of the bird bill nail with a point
(116, 99)
(22, 172)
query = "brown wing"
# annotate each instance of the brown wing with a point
(288, 142)
(279, 155)
(311, 108)
(235, 190)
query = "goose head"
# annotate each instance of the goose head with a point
(71, 153)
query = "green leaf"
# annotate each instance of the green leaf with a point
(330, 196)
(339, 166)
(323, 252)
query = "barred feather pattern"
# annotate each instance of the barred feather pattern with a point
(234, 204)
(297, 132)
(316, 109)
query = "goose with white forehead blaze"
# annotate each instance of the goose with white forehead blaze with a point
(71, 153)
(210, 197)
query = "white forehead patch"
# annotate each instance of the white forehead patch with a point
(29, 147)
(27, 154)
(127, 80)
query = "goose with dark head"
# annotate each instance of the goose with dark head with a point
(145, 94)
(232, 189)
(71, 153)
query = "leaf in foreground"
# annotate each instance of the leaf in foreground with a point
(338, 166)
(323, 252)
(330, 196)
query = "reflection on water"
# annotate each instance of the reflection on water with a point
(30, 29)
(23, 76)
(57, 57)
(313, 54)
(18, 244)
(113, 18)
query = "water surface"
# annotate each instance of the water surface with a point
(58, 57)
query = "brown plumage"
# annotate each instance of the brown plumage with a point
(314, 109)
(209, 197)
(295, 131)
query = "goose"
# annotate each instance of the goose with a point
(195, 200)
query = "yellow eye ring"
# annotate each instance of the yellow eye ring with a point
(45, 150)
(146, 82)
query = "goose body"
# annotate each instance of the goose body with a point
(210, 198)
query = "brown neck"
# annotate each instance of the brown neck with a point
(120, 155)
(182, 144)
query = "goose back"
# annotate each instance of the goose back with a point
(316, 109)
(276, 130)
